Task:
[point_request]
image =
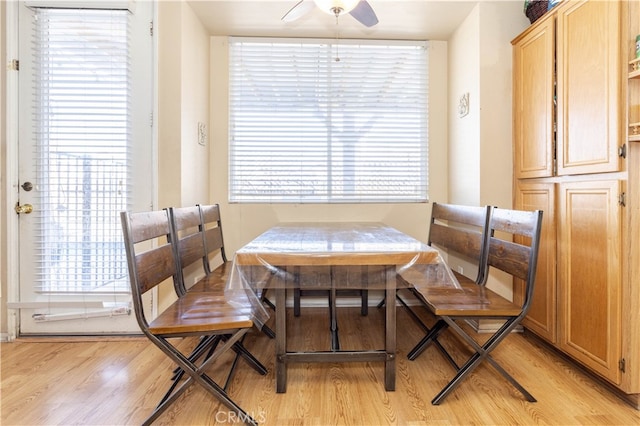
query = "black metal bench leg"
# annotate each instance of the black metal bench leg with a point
(482, 353)
(206, 343)
(511, 380)
(426, 340)
(241, 351)
(268, 331)
(186, 365)
(413, 314)
(264, 299)
(469, 366)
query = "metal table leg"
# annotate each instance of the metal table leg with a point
(281, 338)
(333, 319)
(390, 330)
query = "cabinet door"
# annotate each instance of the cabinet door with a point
(533, 63)
(589, 279)
(541, 318)
(589, 87)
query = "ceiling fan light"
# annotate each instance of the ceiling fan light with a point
(328, 6)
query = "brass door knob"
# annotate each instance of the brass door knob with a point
(25, 208)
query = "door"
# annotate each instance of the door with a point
(533, 101)
(589, 280)
(85, 144)
(590, 75)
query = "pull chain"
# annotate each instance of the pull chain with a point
(337, 58)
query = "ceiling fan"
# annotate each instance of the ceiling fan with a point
(359, 9)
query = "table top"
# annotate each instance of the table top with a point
(318, 254)
(339, 243)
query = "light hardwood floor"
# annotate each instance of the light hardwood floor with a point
(118, 381)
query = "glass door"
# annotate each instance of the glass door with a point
(85, 150)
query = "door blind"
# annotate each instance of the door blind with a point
(316, 121)
(82, 132)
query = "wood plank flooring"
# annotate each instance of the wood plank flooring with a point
(118, 382)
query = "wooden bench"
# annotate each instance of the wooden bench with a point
(456, 230)
(197, 244)
(152, 260)
(512, 247)
(196, 233)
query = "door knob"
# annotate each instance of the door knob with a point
(25, 208)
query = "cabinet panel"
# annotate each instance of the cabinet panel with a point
(541, 318)
(533, 79)
(589, 280)
(631, 279)
(589, 85)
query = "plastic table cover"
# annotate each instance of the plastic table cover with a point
(345, 255)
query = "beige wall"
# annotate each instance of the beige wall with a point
(480, 144)
(500, 22)
(3, 177)
(195, 109)
(243, 222)
(464, 132)
(183, 102)
(169, 124)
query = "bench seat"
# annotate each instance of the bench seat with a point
(195, 312)
(215, 281)
(471, 299)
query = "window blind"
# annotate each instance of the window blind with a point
(319, 121)
(81, 107)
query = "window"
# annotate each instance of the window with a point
(81, 117)
(312, 121)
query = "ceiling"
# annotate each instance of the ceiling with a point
(398, 19)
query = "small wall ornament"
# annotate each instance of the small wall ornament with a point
(463, 105)
(202, 133)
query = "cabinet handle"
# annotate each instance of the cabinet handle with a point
(622, 151)
(622, 199)
(622, 365)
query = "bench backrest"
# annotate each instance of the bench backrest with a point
(211, 226)
(461, 230)
(150, 257)
(188, 239)
(513, 246)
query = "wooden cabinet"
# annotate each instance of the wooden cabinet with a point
(589, 87)
(533, 101)
(542, 314)
(589, 274)
(580, 170)
(571, 58)
(577, 303)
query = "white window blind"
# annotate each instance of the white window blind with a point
(81, 107)
(315, 121)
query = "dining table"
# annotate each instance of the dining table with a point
(334, 256)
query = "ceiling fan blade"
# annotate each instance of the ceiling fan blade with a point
(364, 13)
(299, 10)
